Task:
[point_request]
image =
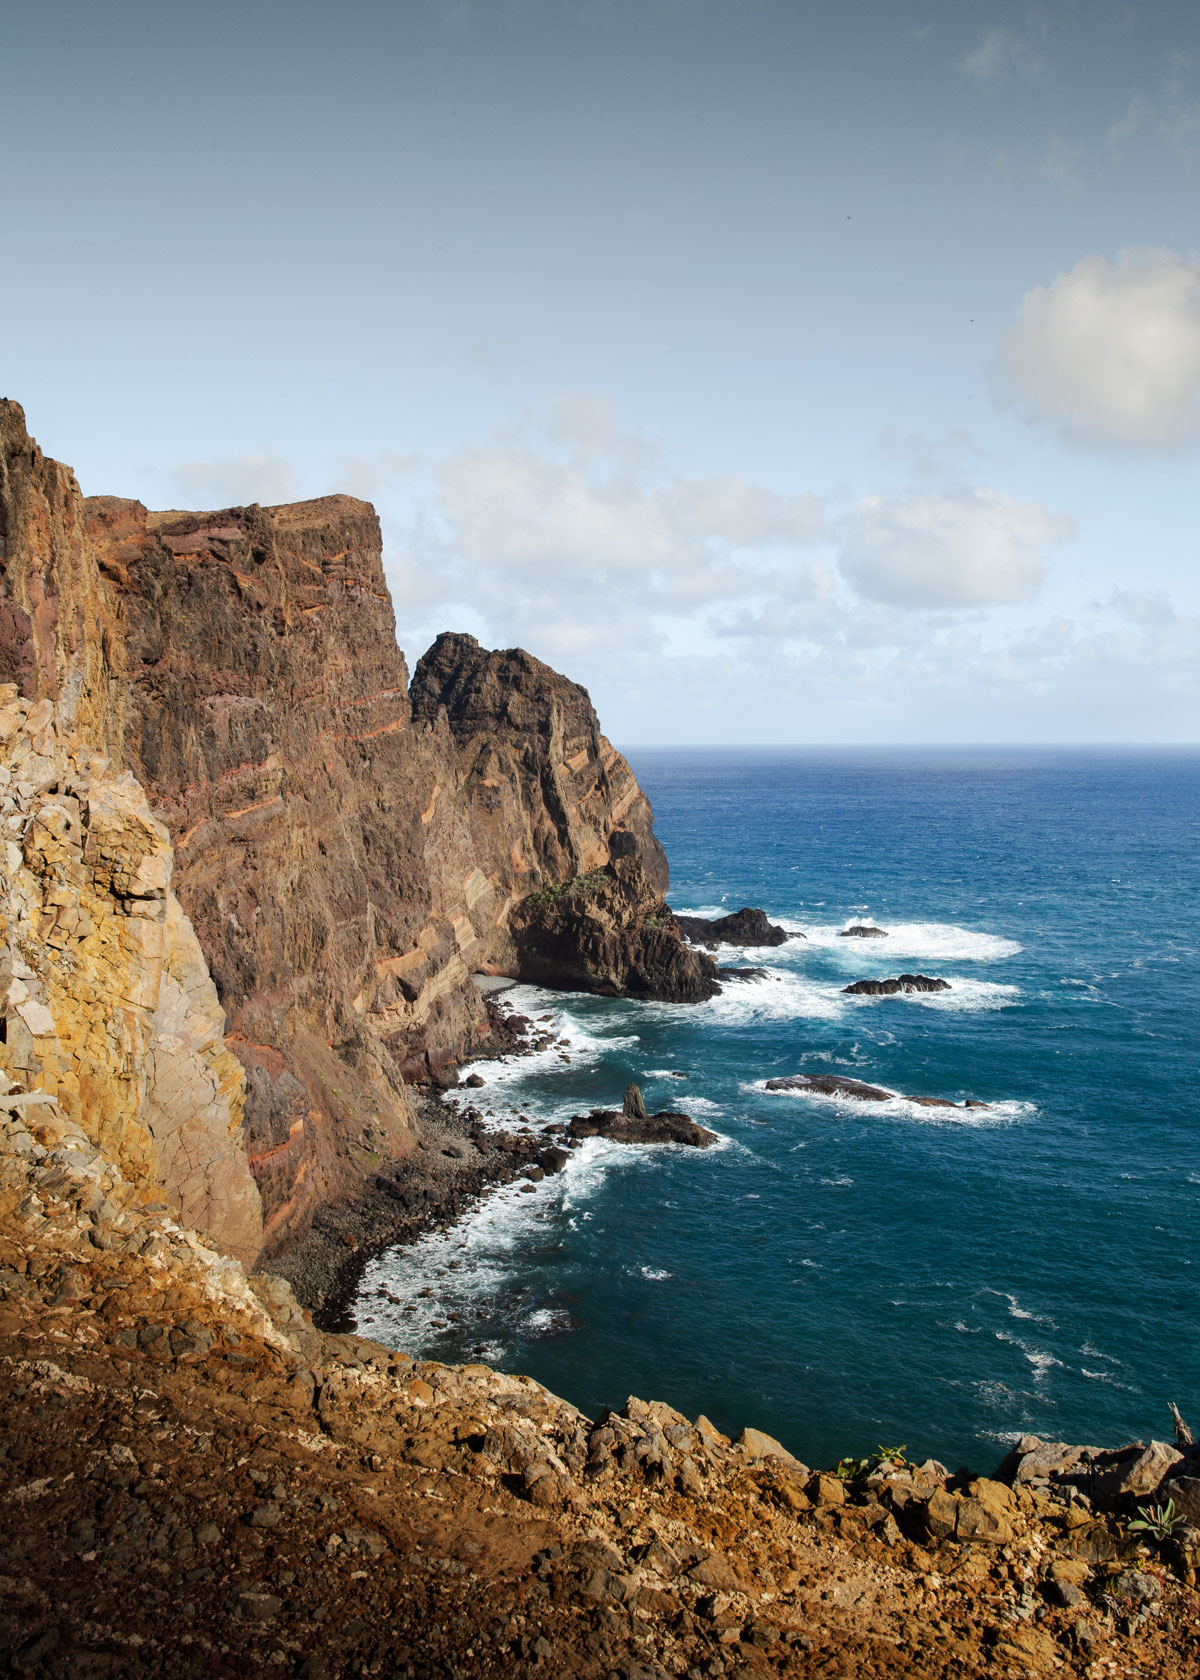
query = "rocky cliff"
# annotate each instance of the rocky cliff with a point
(109, 1015)
(348, 854)
(202, 1485)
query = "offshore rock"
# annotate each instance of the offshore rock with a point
(902, 983)
(743, 927)
(862, 930)
(835, 1085)
(665, 1127)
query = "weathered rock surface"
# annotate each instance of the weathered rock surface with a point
(110, 1017)
(667, 1126)
(198, 1479)
(901, 983)
(742, 927)
(862, 930)
(348, 854)
(608, 932)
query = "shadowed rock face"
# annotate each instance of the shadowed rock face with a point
(348, 856)
(901, 983)
(743, 927)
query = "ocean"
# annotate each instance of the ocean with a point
(847, 1275)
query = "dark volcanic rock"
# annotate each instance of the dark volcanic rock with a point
(862, 930)
(741, 973)
(609, 932)
(831, 1085)
(743, 927)
(664, 1127)
(834, 1085)
(902, 983)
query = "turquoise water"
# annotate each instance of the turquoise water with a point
(841, 1275)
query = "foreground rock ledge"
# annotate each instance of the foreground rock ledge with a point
(202, 1485)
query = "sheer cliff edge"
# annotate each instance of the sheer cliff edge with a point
(348, 853)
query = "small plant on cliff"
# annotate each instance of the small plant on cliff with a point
(850, 1468)
(1158, 1521)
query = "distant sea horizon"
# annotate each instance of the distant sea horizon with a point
(844, 1274)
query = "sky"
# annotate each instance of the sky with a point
(815, 371)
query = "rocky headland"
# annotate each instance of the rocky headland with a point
(246, 879)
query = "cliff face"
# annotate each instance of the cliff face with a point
(348, 856)
(59, 636)
(109, 1014)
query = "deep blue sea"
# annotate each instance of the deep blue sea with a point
(846, 1275)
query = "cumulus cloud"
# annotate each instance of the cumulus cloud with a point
(1001, 56)
(972, 548)
(572, 530)
(237, 482)
(1110, 352)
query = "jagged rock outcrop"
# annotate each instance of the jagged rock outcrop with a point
(110, 1017)
(59, 632)
(898, 984)
(609, 932)
(742, 927)
(585, 880)
(347, 856)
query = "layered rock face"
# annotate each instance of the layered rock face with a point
(347, 855)
(584, 883)
(110, 1017)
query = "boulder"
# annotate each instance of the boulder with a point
(758, 1446)
(741, 974)
(862, 930)
(901, 983)
(1136, 1476)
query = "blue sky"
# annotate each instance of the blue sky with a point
(783, 372)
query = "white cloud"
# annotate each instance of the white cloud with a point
(572, 531)
(237, 482)
(1110, 352)
(1000, 56)
(972, 548)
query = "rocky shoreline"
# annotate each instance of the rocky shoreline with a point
(203, 1484)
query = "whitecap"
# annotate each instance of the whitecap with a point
(655, 1274)
(940, 941)
(897, 1107)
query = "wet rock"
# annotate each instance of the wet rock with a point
(742, 927)
(901, 983)
(665, 1127)
(862, 930)
(831, 1085)
(741, 974)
